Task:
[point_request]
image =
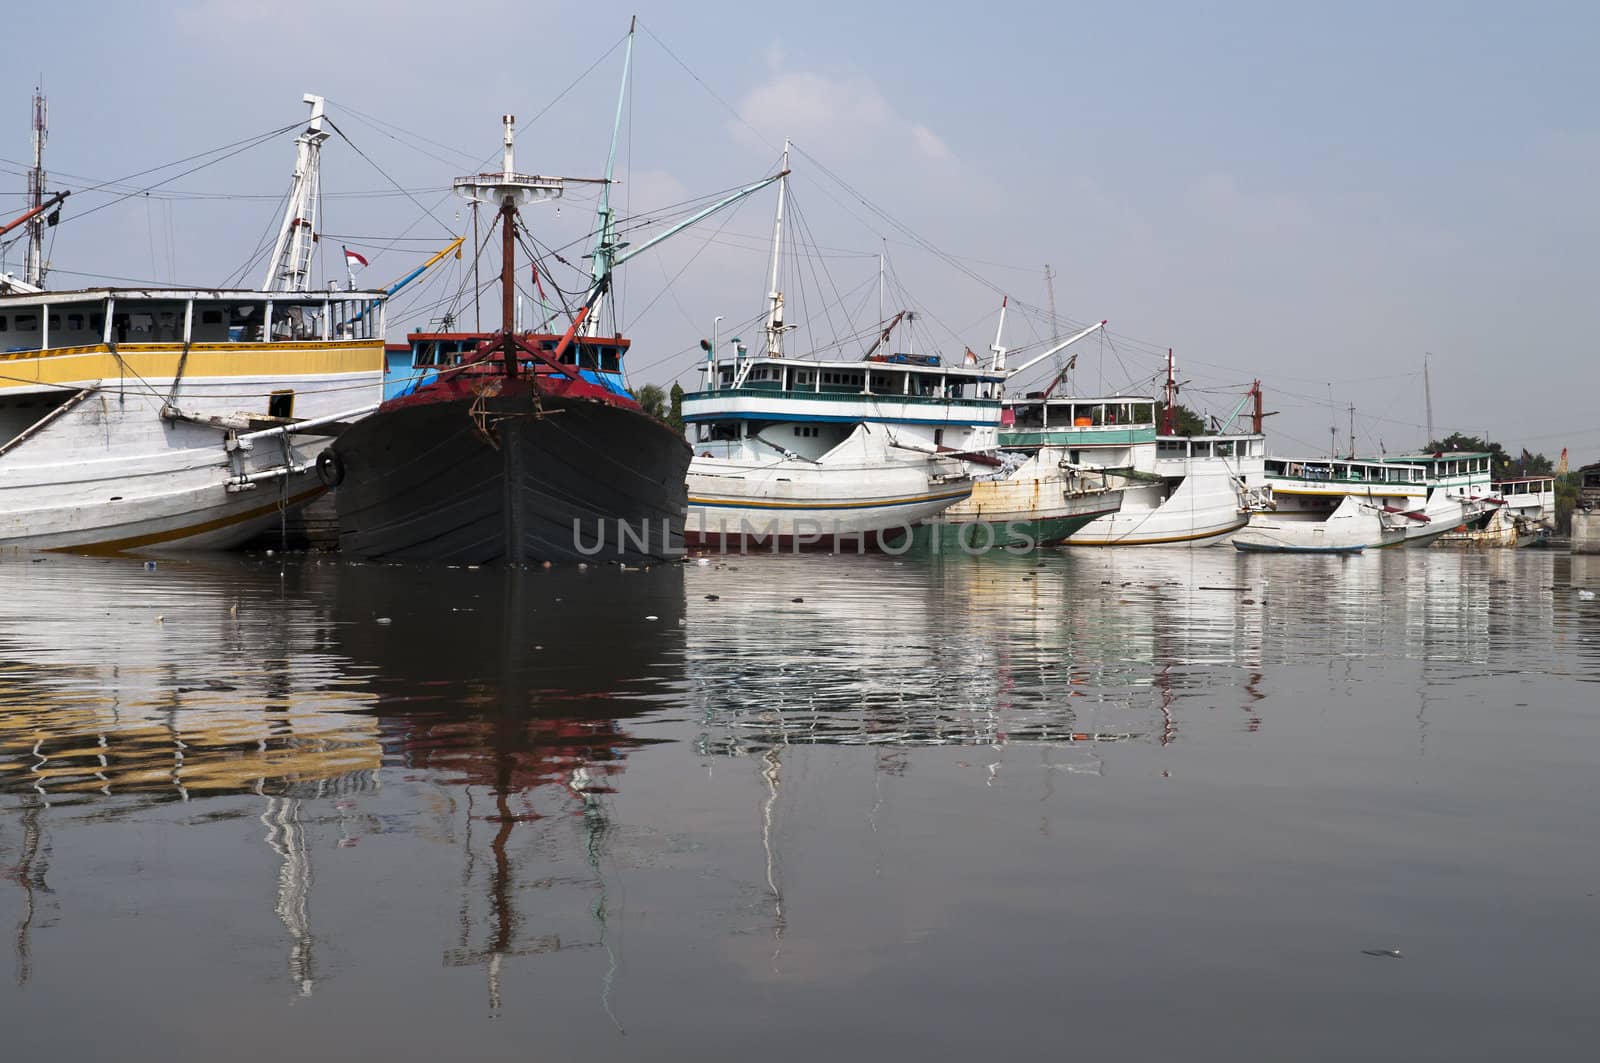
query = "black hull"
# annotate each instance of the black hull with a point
(443, 481)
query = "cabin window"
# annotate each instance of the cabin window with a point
(3, 325)
(938, 437)
(55, 320)
(27, 322)
(281, 404)
(611, 359)
(75, 322)
(211, 317)
(1030, 416)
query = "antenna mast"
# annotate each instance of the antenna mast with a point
(34, 269)
(289, 269)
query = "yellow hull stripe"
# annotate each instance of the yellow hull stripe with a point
(78, 365)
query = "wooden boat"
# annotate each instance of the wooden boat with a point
(526, 447)
(180, 418)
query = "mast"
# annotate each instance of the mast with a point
(998, 362)
(1050, 290)
(508, 254)
(507, 190)
(1167, 419)
(477, 287)
(1427, 398)
(605, 246)
(34, 269)
(880, 285)
(1352, 430)
(289, 268)
(775, 313)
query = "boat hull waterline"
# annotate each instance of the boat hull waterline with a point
(450, 476)
(107, 472)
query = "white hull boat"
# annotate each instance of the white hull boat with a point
(751, 490)
(165, 443)
(1351, 527)
(161, 418)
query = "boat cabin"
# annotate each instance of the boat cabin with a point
(1453, 468)
(1346, 472)
(902, 376)
(1116, 420)
(418, 361)
(44, 322)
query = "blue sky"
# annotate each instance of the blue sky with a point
(1314, 195)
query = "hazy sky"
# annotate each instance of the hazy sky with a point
(1314, 195)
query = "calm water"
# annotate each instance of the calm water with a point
(1105, 804)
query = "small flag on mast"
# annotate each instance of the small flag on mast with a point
(352, 259)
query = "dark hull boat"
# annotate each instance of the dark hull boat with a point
(477, 467)
(519, 447)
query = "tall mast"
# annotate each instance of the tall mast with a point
(33, 269)
(507, 190)
(289, 269)
(1167, 420)
(605, 247)
(1427, 398)
(775, 313)
(508, 253)
(1050, 289)
(880, 285)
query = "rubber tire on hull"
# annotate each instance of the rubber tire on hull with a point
(424, 483)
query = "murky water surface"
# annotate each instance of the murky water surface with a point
(1102, 804)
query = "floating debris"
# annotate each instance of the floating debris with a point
(1393, 954)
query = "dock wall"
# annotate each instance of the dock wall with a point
(1586, 532)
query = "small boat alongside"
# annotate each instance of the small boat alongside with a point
(1351, 527)
(1175, 489)
(1460, 492)
(1521, 512)
(1337, 503)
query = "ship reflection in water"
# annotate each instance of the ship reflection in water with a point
(782, 805)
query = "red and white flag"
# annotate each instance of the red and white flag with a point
(352, 259)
